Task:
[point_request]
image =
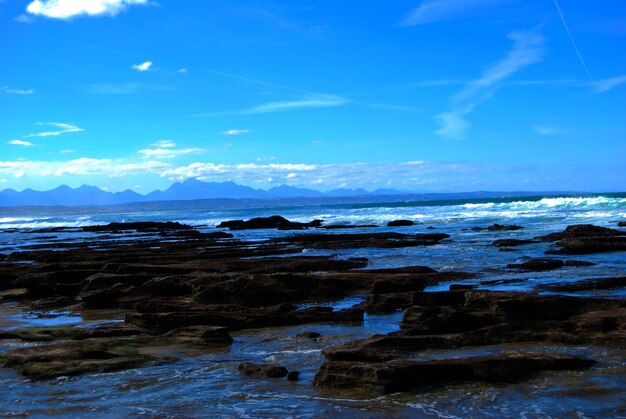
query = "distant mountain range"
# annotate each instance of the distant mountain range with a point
(190, 189)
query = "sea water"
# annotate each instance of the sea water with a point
(207, 383)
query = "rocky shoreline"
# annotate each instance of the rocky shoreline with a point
(177, 286)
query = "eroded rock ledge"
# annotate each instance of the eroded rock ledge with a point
(457, 319)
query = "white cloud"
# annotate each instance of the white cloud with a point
(68, 151)
(604, 85)
(23, 19)
(22, 143)
(410, 174)
(236, 131)
(83, 166)
(65, 9)
(14, 91)
(164, 144)
(164, 149)
(438, 10)
(145, 66)
(182, 71)
(528, 49)
(62, 129)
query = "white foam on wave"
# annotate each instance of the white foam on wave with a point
(43, 224)
(19, 219)
(582, 201)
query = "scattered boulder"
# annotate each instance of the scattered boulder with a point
(511, 242)
(308, 335)
(267, 370)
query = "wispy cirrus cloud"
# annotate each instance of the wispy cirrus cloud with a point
(311, 102)
(547, 130)
(15, 91)
(236, 131)
(63, 128)
(604, 85)
(22, 143)
(145, 66)
(66, 9)
(528, 49)
(430, 11)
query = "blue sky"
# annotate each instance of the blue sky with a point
(433, 95)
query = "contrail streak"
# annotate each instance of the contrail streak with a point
(571, 38)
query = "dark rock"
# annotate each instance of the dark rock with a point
(511, 242)
(78, 357)
(308, 335)
(267, 370)
(237, 317)
(588, 245)
(200, 335)
(106, 297)
(170, 285)
(621, 223)
(275, 221)
(585, 285)
(363, 240)
(293, 376)
(142, 226)
(578, 263)
(540, 264)
(581, 231)
(400, 223)
(44, 283)
(403, 374)
(463, 287)
(52, 333)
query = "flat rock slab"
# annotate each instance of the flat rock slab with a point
(405, 374)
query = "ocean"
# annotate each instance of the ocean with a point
(208, 383)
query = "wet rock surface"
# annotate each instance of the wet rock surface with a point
(175, 286)
(456, 319)
(585, 239)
